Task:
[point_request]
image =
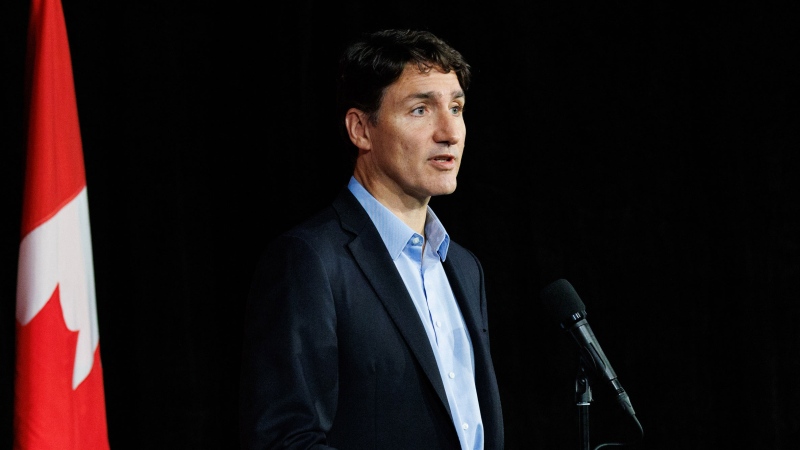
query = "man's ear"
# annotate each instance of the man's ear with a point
(356, 123)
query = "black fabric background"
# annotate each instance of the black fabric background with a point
(645, 151)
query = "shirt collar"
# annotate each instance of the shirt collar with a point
(394, 232)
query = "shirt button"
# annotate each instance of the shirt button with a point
(464, 425)
(415, 240)
(451, 375)
(438, 324)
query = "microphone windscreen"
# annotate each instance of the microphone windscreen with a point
(561, 301)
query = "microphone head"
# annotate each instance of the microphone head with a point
(562, 302)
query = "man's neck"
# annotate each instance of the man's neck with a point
(412, 211)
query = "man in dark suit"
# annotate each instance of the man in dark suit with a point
(366, 325)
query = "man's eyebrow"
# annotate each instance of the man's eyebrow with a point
(433, 94)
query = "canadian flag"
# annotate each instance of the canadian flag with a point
(59, 402)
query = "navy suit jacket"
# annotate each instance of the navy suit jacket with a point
(335, 354)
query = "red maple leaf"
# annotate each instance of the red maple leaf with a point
(48, 412)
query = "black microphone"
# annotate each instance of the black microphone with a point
(562, 303)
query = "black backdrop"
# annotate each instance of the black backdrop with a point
(645, 151)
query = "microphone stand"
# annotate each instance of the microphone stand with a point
(583, 397)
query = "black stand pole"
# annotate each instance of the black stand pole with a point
(583, 397)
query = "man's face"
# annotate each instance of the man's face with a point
(415, 147)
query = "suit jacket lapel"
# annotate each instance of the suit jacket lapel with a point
(467, 300)
(370, 254)
(468, 292)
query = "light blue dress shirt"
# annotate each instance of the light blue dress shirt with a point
(427, 284)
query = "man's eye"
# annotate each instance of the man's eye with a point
(418, 111)
(456, 110)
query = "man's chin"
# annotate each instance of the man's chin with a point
(444, 190)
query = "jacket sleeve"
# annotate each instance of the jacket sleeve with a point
(289, 385)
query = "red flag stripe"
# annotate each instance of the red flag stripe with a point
(55, 171)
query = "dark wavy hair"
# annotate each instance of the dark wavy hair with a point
(376, 60)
